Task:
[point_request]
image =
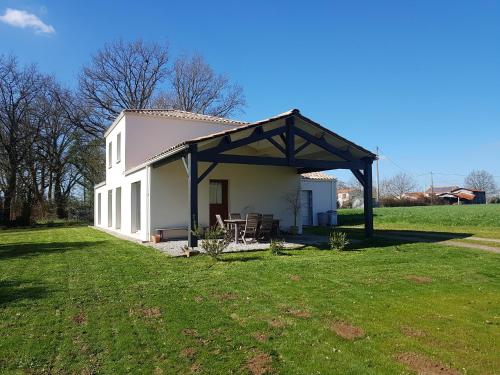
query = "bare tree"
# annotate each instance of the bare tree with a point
(481, 180)
(197, 88)
(122, 75)
(20, 88)
(398, 185)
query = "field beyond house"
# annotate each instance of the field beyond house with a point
(76, 300)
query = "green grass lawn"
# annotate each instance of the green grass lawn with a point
(480, 220)
(76, 300)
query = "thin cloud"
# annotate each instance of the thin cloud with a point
(23, 19)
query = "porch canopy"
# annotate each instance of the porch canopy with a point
(289, 139)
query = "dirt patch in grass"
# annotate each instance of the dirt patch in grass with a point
(276, 323)
(347, 331)
(298, 313)
(198, 299)
(226, 296)
(196, 368)
(419, 279)
(146, 312)
(80, 318)
(260, 364)
(423, 365)
(188, 352)
(412, 332)
(260, 336)
(295, 278)
(190, 332)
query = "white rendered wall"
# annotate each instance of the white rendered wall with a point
(250, 189)
(147, 136)
(125, 183)
(324, 196)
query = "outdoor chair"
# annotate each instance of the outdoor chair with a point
(220, 223)
(234, 216)
(266, 227)
(251, 226)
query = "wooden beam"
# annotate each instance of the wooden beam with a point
(290, 140)
(359, 176)
(254, 137)
(192, 163)
(321, 142)
(302, 147)
(207, 171)
(368, 198)
(262, 160)
(277, 145)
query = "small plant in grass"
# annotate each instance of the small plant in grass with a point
(214, 242)
(276, 246)
(338, 240)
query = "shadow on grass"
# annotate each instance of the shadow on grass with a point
(13, 290)
(239, 259)
(17, 250)
(388, 237)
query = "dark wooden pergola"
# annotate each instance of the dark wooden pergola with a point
(290, 140)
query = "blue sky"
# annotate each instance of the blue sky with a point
(419, 79)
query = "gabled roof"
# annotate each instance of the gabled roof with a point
(178, 114)
(246, 126)
(321, 176)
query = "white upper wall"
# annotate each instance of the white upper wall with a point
(149, 135)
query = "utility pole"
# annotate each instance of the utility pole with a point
(378, 180)
(432, 188)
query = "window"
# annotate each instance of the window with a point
(110, 208)
(110, 154)
(118, 208)
(215, 192)
(118, 148)
(135, 206)
(99, 209)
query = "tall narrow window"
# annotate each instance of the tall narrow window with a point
(110, 208)
(110, 154)
(118, 208)
(118, 148)
(99, 209)
(135, 206)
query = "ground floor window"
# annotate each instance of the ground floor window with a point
(306, 207)
(135, 193)
(118, 208)
(99, 209)
(110, 208)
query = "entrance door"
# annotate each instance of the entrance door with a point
(218, 200)
(306, 207)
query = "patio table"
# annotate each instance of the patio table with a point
(236, 224)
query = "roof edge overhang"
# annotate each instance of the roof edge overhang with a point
(182, 147)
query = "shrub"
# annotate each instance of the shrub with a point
(277, 247)
(215, 241)
(338, 240)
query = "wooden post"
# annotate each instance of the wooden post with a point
(290, 140)
(192, 164)
(368, 198)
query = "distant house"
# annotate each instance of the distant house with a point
(349, 197)
(464, 196)
(414, 196)
(440, 190)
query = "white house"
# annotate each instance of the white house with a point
(318, 194)
(176, 169)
